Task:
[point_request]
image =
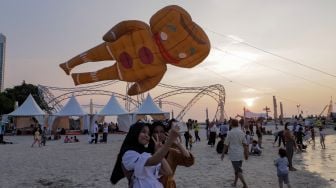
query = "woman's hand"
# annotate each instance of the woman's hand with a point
(173, 134)
(157, 143)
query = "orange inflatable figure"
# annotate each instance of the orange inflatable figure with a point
(141, 51)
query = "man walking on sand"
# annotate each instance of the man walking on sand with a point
(237, 147)
(95, 131)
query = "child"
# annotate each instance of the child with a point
(322, 137)
(67, 139)
(101, 139)
(220, 145)
(37, 137)
(91, 138)
(248, 138)
(282, 168)
(255, 149)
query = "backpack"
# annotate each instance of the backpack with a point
(220, 146)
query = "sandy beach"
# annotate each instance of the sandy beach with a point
(90, 165)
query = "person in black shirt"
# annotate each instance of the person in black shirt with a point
(299, 139)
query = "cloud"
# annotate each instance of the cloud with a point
(249, 90)
(258, 91)
(228, 62)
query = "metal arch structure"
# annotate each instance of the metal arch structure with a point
(218, 96)
(216, 92)
(55, 102)
(49, 97)
(169, 103)
(46, 95)
(59, 99)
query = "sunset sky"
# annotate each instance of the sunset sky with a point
(259, 49)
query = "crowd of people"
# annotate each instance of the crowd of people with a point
(151, 152)
(154, 165)
(237, 140)
(73, 139)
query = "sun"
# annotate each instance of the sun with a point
(249, 101)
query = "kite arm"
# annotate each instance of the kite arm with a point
(124, 27)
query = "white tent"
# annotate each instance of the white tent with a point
(112, 108)
(72, 108)
(249, 114)
(28, 108)
(148, 107)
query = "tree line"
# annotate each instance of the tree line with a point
(20, 93)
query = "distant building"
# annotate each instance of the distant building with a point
(2, 60)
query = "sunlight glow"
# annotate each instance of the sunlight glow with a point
(249, 101)
(232, 61)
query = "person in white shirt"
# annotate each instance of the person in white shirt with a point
(95, 131)
(249, 139)
(105, 133)
(223, 129)
(255, 149)
(237, 147)
(213, 134)
(91, 138)
(136, 162)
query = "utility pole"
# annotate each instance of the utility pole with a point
(267, 109)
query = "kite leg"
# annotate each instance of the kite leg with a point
(98, 53)
(144, 85)
(108, 73)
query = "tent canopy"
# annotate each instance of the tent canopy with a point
(148, 107)
(28, 108)
(249, 114)
(72, 108)
(112, 108)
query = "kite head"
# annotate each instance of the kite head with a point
(180, 40)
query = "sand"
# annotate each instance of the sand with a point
(90, 165)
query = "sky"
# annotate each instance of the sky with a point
(259, 49)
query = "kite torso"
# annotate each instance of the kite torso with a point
(137, 56)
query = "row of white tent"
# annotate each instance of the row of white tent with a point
(72, 108)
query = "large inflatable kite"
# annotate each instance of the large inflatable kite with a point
(141, 51)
